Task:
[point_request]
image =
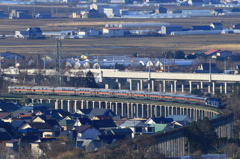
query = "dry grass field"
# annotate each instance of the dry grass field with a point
(152, 46)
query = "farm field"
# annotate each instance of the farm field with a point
(150, 46)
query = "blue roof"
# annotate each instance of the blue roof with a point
(7, 54)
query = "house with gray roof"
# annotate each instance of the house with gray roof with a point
(181, 119)
(87, 132)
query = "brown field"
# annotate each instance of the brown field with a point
(115, 46)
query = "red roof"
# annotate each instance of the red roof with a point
(211, 51)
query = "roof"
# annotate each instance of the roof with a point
(103, 123)
(86, 111)
(9, 53)
(9, 106)
(216, 23)
(85, 121)
(162, 120)
(17, 123)
(159, 127)
(4, 115)
(5, 136)
(211, 51)
(29, 130)
(82, 128)
(119, 131)
(40, 125)
(178, 117)
(132, 123)
(201, 27)
(66, 122)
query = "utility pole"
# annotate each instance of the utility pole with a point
(58, 60)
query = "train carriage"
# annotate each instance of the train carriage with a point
(91, 92)
(104, 92)
(154, 95)
(168, 97)
(19, 89)
(64, 90)
(122, 94)
(140, 94)
(42, 90)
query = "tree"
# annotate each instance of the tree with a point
(201, 136)
(90, 80)
(179, 54)
(198, 92)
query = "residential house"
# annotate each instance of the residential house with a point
(160, 120)
(111, 12)
(16, 124)
(99, 6)
(138, 127)
(160, 10)
(29, 132)
(10, 56)
(111, 32)
(82, 121)
(4, 136)
(216, 26)
(211, 52)
(104, 124)
(88, 32)
(76, 15)
(35, 33)
(67, 124)
(101, 112)
(181, 119)
(236, 26)
(8, 106)
(6, 116)
(19, 14)
(163, 127)
(32, 33)
(87, 132)
(223, 54)
(127, 132)
(124, 11)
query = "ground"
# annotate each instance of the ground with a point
(112, 46)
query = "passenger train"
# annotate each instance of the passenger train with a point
(114, 93)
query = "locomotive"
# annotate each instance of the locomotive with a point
(114, 93)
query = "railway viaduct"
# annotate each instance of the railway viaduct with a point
(153, 81)
(171, 143)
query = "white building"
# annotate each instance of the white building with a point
(111, 12)
(100, 6)
(114, 32)
(88, 32)
(21, 34)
